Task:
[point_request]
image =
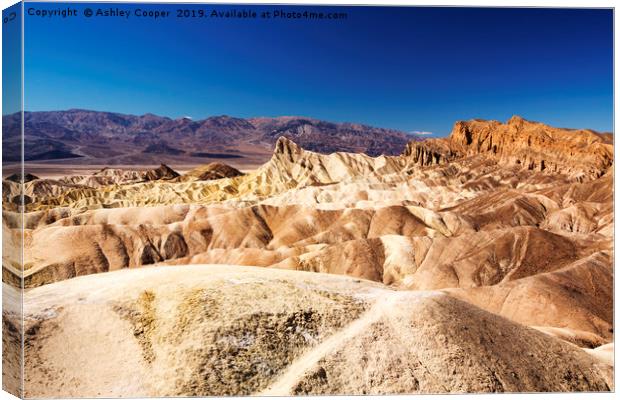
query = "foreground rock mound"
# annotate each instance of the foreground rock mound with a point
(223, 330)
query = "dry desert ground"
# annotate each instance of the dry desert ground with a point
(480, 262)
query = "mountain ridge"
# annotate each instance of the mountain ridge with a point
(94, 137)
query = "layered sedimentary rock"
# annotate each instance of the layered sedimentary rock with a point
(580, 154)
(507, 226)
(211, 172)
(226, 330)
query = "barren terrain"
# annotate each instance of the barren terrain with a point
(480, 262)
(82, 138)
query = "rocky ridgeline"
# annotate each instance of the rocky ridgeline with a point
(429, 152)
(579, 154)
(518, 145)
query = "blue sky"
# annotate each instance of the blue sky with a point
(11, 60)
(405, 68)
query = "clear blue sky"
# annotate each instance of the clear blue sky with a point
(11, 59)
(404, 68)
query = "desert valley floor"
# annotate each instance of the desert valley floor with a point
(480, 262)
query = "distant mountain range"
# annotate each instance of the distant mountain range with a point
(93, 137)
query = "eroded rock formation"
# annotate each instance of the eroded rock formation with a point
(327, 262)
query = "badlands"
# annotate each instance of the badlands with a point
(480, 262)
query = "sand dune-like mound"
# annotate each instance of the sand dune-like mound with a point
(604, 353)
(210, 172)
(225, 330)
(578, 297)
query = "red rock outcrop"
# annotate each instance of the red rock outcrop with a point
(578, 154)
